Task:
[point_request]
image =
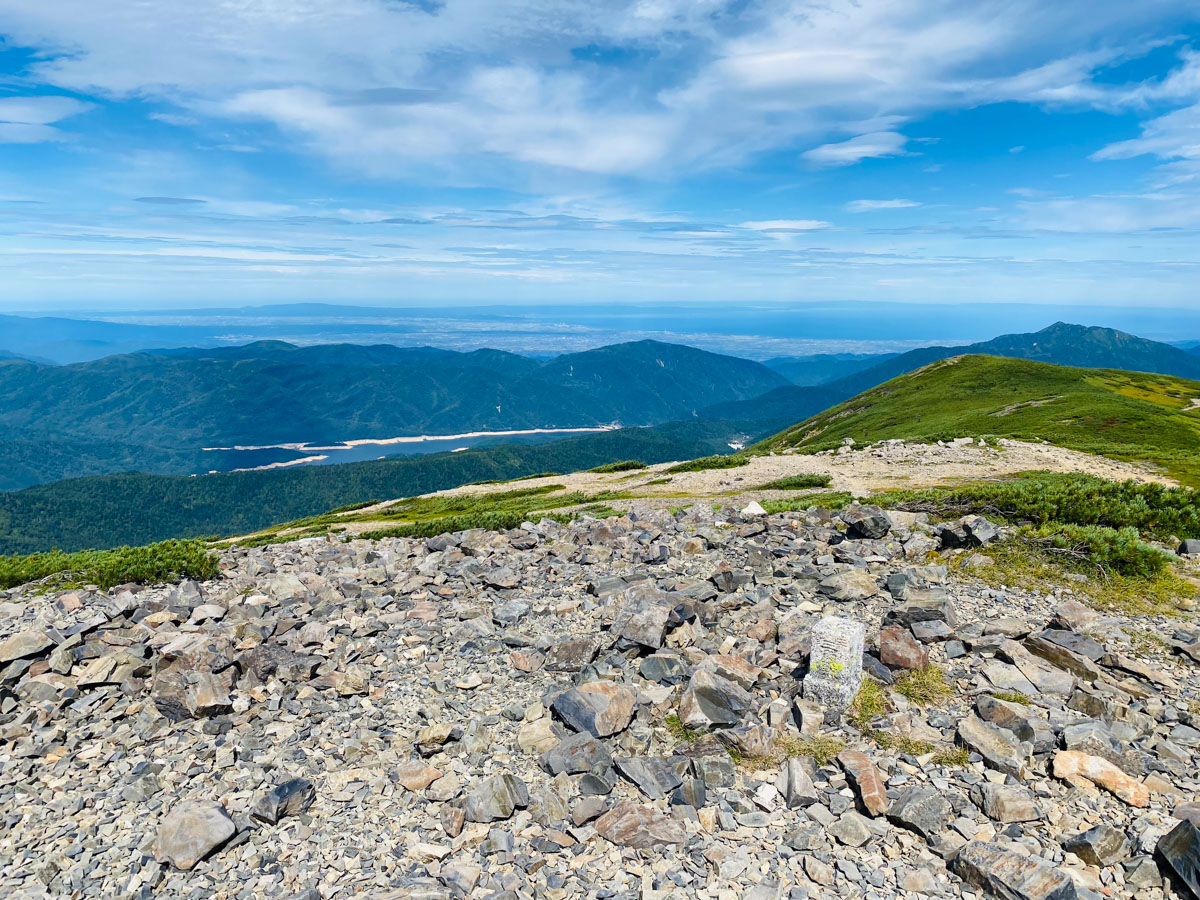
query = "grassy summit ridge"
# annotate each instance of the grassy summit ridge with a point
(1131, 416)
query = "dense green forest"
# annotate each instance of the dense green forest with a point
(112, 510)
(156, 411)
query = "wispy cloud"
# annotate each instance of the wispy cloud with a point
(866, 146)
(860, 206)
(786, 225)
(32, 120)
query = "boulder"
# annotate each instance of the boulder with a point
(191, 831)
(654, 777)
(1101, 845)
(857, 584)
(24, 644)
(1178, 852)
(496, 798)
(289, 798)
(576, 754)
(866, 521)
(1011, 875)
(1006, 803)
(795, 785)
(866, 780)
(600, 708)
(710, 701)
(898, 649)
(922, 809)
(999, 747)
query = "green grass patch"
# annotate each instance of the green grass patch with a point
(952, 758)
(733, 461)
(822, 749)
(831, 500)
(164, 562)
(796, 483)
(658, 481)
(1074, 499)
(684, 734)
(1030, 566)
(1012, 697)
(625, 465)
(902, 743)
(1133, 416)
(424, 517)
(924, 687)
(869, 704)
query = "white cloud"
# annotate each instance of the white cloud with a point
(785, 225)
(1173, 136)
(859, 206)
(385, 87)
(865, 146)
(31, 120)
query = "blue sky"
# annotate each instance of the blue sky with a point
(495, 151)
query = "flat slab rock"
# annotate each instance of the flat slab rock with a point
(1009, 874)
(629, 824)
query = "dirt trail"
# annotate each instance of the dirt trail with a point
(860, 472)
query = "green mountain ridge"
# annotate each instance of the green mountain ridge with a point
(1062, 344)
(1134, 416)
(155, 411)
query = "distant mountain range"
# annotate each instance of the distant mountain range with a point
(823, 368)
(156, 411)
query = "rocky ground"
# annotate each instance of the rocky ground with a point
(649, 706)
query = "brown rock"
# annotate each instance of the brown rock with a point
(527, 660)
(898, 649)
(1074, 767)
(416, 776)
(866, 780)
(630, 825)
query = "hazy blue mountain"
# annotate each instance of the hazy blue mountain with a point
(1061, 344)
(823, 368)
(791, 403)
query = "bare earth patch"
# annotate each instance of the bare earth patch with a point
(859, 472)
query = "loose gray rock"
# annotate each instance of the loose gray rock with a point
(1011, 875)
(921, 809)
(496, 798)
(287, 799)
